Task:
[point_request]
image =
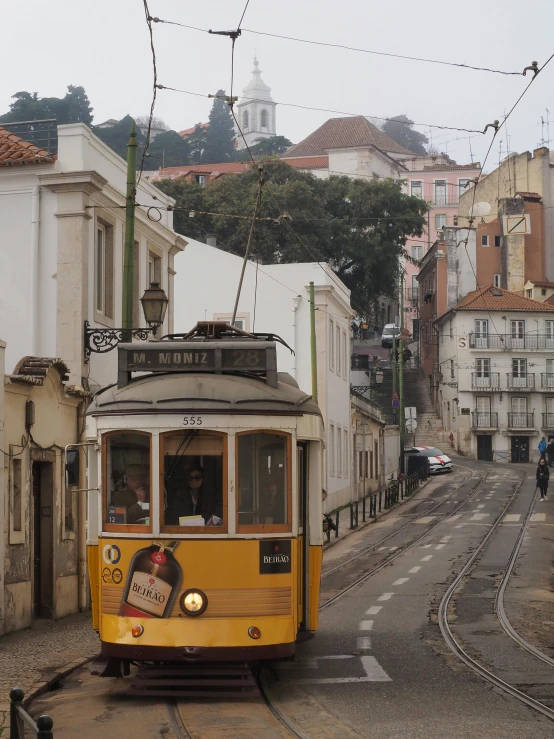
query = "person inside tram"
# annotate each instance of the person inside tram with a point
(133, 494)
(272, 505)
(193, 500)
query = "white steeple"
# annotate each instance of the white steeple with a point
(256, 110)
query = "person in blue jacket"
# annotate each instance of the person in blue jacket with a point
(542, 448)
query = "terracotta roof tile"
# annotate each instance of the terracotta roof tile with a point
(188, 131)
(320, 162)
(492, 298)
(346, 133)
(535, 196)
(16, 151)
(542, 284)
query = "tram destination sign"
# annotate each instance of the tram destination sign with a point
(253, 357)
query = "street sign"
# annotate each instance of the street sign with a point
(411, 425)
(395, 396)
(395, 403)
(405, 334)
(410, 412)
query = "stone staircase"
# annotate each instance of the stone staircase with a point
(429, 430)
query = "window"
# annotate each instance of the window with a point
(463, 185)
(417, 253)
(338, 351)
(519, 367)
(345, 452)
(331, 345)
(339, 451)
(154, 268)
(483, 367)
(517, 329)
(127, 482)
(332, 450)
(264, 119)
(440, 192)
(242, 320)
(200, 179)
(549, 330)
(440, 221)
(519, 406)
(193, 481)
(451, 369)
(529, 293)
(103, 270)
(16, 494)
(496, 280)
(543, 291)
(451, 330)
(481, 328)
(416, 189)
(344, 366)
(376, 455)
(497, 240)
(483, 408)
(263, 481)
(245, 121)
(484, 240)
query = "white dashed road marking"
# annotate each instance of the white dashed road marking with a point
(365, 626)
(363, 642)
(401, 581)
(385, 596)
(373, 611)
(414, 570)
(479, 516)
(427, 558)
(512, 517)
(439, 546)
(538, 517)
(425, 519)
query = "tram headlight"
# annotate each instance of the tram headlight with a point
(254, 632)
(193, 602)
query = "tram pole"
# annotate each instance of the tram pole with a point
(129, 249)
(313, 345)
(401, 374)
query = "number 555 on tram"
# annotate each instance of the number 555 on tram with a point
(204, 533)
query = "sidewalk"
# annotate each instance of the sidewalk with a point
(35, 657)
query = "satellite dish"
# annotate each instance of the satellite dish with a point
(479, 209)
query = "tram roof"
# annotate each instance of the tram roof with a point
(201, 392)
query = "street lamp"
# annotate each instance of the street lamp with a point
(379, 376)
(101, 340)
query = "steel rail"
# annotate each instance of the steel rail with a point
(177, 721)
(499, 599)
(402, 550)
(397, 531)
(276, 711)
(455, 646)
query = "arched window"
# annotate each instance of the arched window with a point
(264, 120)
(245, 120)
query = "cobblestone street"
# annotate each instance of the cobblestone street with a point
(34, 656)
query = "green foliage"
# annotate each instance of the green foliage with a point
(359, 227)
(117, 137)
(74, 107)
(265, 147)
(196, 141)
(167, 150)
(400, 129)
(220, 134)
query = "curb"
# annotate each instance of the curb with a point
(328, 544)
(42, 686)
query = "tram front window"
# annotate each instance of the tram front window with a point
(263, 480)
(127, 479)
(192, 477)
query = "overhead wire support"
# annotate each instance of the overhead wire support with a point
(155, 88)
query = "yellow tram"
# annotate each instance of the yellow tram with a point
(205, 537)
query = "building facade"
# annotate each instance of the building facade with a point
(275, 299)
(496, 381)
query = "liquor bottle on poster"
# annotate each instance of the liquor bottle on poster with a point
(153, 582)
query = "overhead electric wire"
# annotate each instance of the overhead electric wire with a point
(154, 90)
(243, 14)
(344, 47)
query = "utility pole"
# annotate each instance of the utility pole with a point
(393, 366)
(401, 373)
(129, 250)
(313, 346)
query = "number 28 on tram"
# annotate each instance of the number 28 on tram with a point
(204, 519)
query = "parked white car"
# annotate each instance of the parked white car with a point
(438, 462)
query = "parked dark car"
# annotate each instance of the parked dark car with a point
(389, 331)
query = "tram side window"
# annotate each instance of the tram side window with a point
(128, 479)
(262, 479)
(193, 480)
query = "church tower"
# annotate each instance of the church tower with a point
(256, 110)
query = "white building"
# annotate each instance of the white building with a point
(496, 362)
(275, 299)
(256, 111)
(62, 225)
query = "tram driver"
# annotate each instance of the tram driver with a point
(133, 494)
(193, 500)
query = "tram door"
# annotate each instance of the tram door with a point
(303, 520)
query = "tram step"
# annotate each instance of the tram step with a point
(195, 681)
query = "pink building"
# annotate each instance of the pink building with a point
(439, 181)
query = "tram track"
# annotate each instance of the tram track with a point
(402, 550)
(455, 645)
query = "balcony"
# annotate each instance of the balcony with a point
(507, 341)
(547, 421)
(490, 382)
(521, 420)
(412, 293)
(484, 420)
(521, 382)
(547, 381)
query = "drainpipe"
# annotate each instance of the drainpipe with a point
(35, 242)
(295, 303)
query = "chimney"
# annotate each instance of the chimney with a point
(542, 151)
(211, 240)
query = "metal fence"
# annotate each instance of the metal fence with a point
(374, 503)
(19, 719)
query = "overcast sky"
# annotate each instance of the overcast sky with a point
(104, 47)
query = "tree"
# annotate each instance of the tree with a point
(220, 134)
(142, 121)
(196, 141)
(359, 227)
(265, 147)
(74, 107)
(168, 149)
(400, 129)
(117, 137)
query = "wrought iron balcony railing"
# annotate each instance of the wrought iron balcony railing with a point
(481, 420)
(489, 382)
(412, 293)
(508, 341)
(521, 382)
(547, 380)
(548, 421)
(520, 420)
